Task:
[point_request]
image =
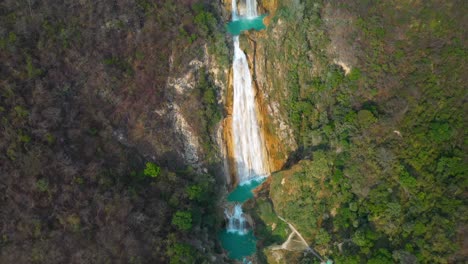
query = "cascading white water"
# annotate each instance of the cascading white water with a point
(249, 150)
(237, 222)
(251, 8)
(234, 10)
(248, 146)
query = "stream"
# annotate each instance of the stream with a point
(249, 151)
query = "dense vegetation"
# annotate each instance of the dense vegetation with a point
(89, 172)
(383, 176)
(91, 169)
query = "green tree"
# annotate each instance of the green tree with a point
(181, 253)
(322, 237)
(182, 220)
(366, 118)
(362, 240)
(205, 22)
(152, 170)
(406, 180)
(42, 185)
(194, 192)
(440, 132)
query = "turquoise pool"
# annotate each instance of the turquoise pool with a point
(237, 26)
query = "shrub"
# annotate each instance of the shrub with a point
(152, 170)
(42, 185)
(182, 220)
(366, 118)
(322, 237)
(195, 192)
(181, 253)
(205, 22)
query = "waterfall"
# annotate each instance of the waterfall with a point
(248, 146)
(234, 10)
(237, 222)
(249, 150)
(251, 8)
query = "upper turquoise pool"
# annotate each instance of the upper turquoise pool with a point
(237, 26)
(244, 192)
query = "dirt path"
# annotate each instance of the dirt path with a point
(301, 243)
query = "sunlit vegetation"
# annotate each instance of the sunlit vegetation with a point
(152, 170)
(384, 147)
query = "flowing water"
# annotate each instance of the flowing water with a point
(248, 146)
(236, 220)
(244, 192)
(238, 246)
(237, 26)
(251, 8)
(249, 20)
(249, 150)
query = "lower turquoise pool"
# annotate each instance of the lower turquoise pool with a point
(238, 246)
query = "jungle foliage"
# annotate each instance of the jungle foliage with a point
(386, 177)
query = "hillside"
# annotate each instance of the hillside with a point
(108, 121)
(375, 93)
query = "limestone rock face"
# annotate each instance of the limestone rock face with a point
(270, 80)
(191, 145)
(186, 82)
(180, 86)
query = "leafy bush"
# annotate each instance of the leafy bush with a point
(205, 22)
(42, 185)
(194, 192)
(181, 253)
(322, 237)
(365, 118)
(182, 220)
(152, 170)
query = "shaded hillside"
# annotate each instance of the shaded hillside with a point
(84, 105)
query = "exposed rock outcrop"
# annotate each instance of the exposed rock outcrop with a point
(180, 87)
(191, 145)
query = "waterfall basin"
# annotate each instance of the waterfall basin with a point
(243, 192)
(235, 27)
(238, 245)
